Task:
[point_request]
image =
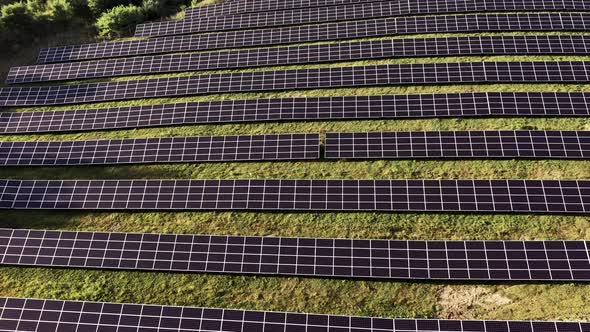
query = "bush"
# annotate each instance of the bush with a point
(80, 8)
(98, 7)
(120, 21)
(17, 25)
(152, 8)
(60, 11)
(36, 6)
(162, 8)
(17, 18)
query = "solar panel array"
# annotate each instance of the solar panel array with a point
(316, 78)
(291, 109)
(383, 259)
(51, 315)
(378, 145)
(350, 12)
(161, 150)
(241, 7)
(498, 196)
(452, 46)
(459, 144)
(537, 261)
(322, 32)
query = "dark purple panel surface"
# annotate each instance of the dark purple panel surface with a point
(315, 78)
(497, 196)
(350, 12)
(321, 32)
(551, 104)
(319, 257)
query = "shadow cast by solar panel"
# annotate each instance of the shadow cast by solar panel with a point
(450, 281)
(445, 159)
(287, 211)
(85, 164)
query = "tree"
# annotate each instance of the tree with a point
(60, 11)
(17, 25)
(98, 7)
(162, 8)
(120, 21)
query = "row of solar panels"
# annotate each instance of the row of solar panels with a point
(488, 196)
(55, 315)
(316, 78)
(491, 104)
(350, 12)
(376, 145)
(292, 55)
(322, 32)
(384, 27)
(323, 257)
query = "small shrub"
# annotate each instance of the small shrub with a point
(151, 8)
(60, 11)
(36, 6)
(80, 8)
(17, 25)
(120, 21)
(17, 17)
(98, 7)
(162, 8)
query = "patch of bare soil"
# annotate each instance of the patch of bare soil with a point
(457, 302)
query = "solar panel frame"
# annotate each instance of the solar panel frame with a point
(318, 257)
(348, 13)
(291, 55)
(48, 315)
(315, 78)
(482, 104)
(484, 196)
(161, 150)
(322, 32)
(503, 144)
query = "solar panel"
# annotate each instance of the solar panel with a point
(51, 315)
(459, 144)
(350, 12)
(497, 196)
(161, 150)
(297, 109)
(242, 7)
(315, 78)
(320, 257)
(322, 32)
(452, 46)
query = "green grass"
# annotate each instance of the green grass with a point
(336, 296)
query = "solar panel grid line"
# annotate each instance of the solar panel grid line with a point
(48, 315)
(349, 12)
(243, 7)
(321, 257)
(451, 46)
(315, 78)
(530, 144)
(161, 150)
(543, 104)
(322, 32)
(490, 196)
